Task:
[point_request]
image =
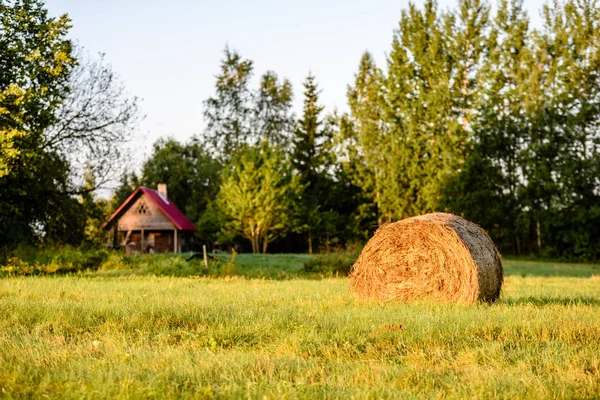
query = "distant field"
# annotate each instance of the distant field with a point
(277, 332)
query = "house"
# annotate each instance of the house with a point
(149, 222)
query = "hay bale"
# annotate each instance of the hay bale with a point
(435, 256)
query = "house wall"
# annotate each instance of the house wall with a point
(160, 241)
(153, 219)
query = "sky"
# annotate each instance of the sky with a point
(168, 52)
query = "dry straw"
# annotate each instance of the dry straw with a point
(435, 256)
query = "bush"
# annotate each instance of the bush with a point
(339, 262)
(33, 261)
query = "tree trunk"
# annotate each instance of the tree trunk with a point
(310, 249)
(254, 241)
(264, 246)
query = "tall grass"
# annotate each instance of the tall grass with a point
(131, 336)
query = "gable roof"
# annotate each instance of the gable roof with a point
(165, 205)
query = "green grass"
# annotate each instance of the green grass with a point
(274, 331)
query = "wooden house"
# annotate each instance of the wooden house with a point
(149, 222)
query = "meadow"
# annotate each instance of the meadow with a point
(263, 327)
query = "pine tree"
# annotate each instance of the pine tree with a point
(311, 159)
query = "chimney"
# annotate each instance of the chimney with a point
(162, 190)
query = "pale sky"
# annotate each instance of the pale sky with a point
(168, 52)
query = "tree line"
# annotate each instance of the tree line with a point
(475, 112)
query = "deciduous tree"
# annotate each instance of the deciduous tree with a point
(257, 195)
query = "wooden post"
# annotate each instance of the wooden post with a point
(174, 240)
(142, 242)
(205, 257)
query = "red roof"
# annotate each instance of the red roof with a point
(166, 205)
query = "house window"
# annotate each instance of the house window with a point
(142, 208)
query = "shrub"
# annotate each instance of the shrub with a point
(339, 262)
(27, 260)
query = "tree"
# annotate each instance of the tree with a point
(257, 195)
(58, 117)
(427, 141)
(96, 211)
(531, 174)
(238, 115)
(229, 112)
(35, 65)
(127, 185)
(311, 159)
(467, 31)
(561, 157)
(34, 69)
(363, 137)
(94, 122)
(273, 117)
(191, 174)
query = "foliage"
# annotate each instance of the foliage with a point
(408, 129)
(191, 174)
(96, 211)
(536, 134)
(426, 138)
(228, 114)
(257, 195)
(127, 185)
(362, 137)
(273, 118)
(338, 262)
(480, 115)
(27, 260)
(475, 113)
(59, 118)
(237, 115)
(312, 161)
(35, 66)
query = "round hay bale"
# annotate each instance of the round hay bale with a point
(434, 256)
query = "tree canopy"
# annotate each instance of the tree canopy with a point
(473, 112)
(60, 116)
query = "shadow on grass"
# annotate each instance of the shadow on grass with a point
(550, 269)
(547, 301)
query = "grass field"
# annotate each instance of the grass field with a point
(126, 335)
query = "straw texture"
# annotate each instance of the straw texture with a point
(435, 256)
